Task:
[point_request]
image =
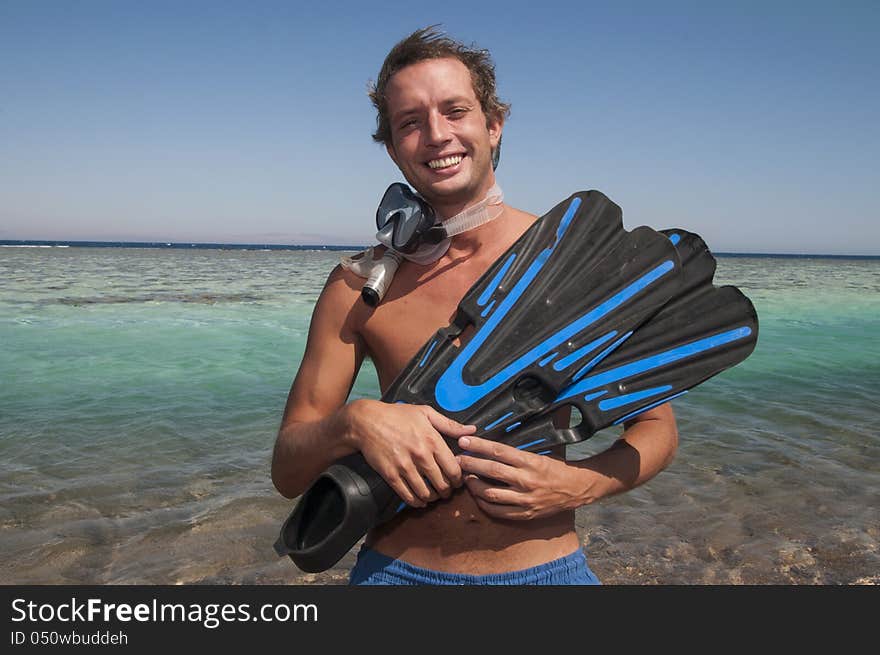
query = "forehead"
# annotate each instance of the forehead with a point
(432, 80)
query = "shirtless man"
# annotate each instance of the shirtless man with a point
(441, 122)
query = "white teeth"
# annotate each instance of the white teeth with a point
(445, 162)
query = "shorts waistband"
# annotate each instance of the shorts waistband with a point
(373, 567)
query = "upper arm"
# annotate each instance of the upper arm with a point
(662, 415)
(334, 353)
(656, 427)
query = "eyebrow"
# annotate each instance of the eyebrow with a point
(396, 116)
(454, 100)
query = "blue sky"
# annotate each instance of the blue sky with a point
(752, 123)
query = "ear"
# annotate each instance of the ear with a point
(495, 127)
(390, 150)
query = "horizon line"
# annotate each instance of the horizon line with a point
(220, 245)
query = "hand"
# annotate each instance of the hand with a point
(405, 445)
(508, 483)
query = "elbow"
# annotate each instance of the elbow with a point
(284, 488)
(282, 476)
(671, 445)
(284, 483)
(666, 431)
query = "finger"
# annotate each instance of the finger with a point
(437, 481)
(419, 487)
(425, 460)
(401, 488)
(487, 468)
(492, 493)
(493, 449)
(446, 426)
(506, 512)
(449, 466)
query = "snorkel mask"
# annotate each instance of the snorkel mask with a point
(405, 221)
(407, 225)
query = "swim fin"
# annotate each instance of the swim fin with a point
(569, 290)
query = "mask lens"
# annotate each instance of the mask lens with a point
(404, 216)
(392, 200)
(407, 226)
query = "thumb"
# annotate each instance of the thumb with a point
(446, 426)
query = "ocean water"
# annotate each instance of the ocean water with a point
(141, 389)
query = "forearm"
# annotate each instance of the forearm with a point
(303, 449)
(646, 448)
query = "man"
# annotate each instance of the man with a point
(441, 123)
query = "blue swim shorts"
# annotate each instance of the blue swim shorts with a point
(374, 568)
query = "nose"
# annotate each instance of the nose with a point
(438, 129)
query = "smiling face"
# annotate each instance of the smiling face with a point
(440, 139)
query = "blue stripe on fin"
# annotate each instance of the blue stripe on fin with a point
(428, 353)
(580, 352)
(490, 289)
(602, 355)
(651, 406)
(494, 423)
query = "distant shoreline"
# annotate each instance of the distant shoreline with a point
(167, 245)
(39, 243)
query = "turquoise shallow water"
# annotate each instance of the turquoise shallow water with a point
(141, 391)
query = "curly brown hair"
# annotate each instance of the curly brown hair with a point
(430, 43)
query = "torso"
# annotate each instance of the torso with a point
(454, 534)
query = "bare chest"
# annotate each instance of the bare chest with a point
(420, 302)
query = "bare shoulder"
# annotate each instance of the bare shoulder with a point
(339, 303)
(518, 221)
(519, 216)
(512, 221)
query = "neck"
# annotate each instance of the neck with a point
(447, 209)
(478, 214)
(467, 243)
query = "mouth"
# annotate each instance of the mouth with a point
(444, 162)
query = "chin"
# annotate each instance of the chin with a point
(450, 194)
(462, 182)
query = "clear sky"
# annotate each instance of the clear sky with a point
(752, 123)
